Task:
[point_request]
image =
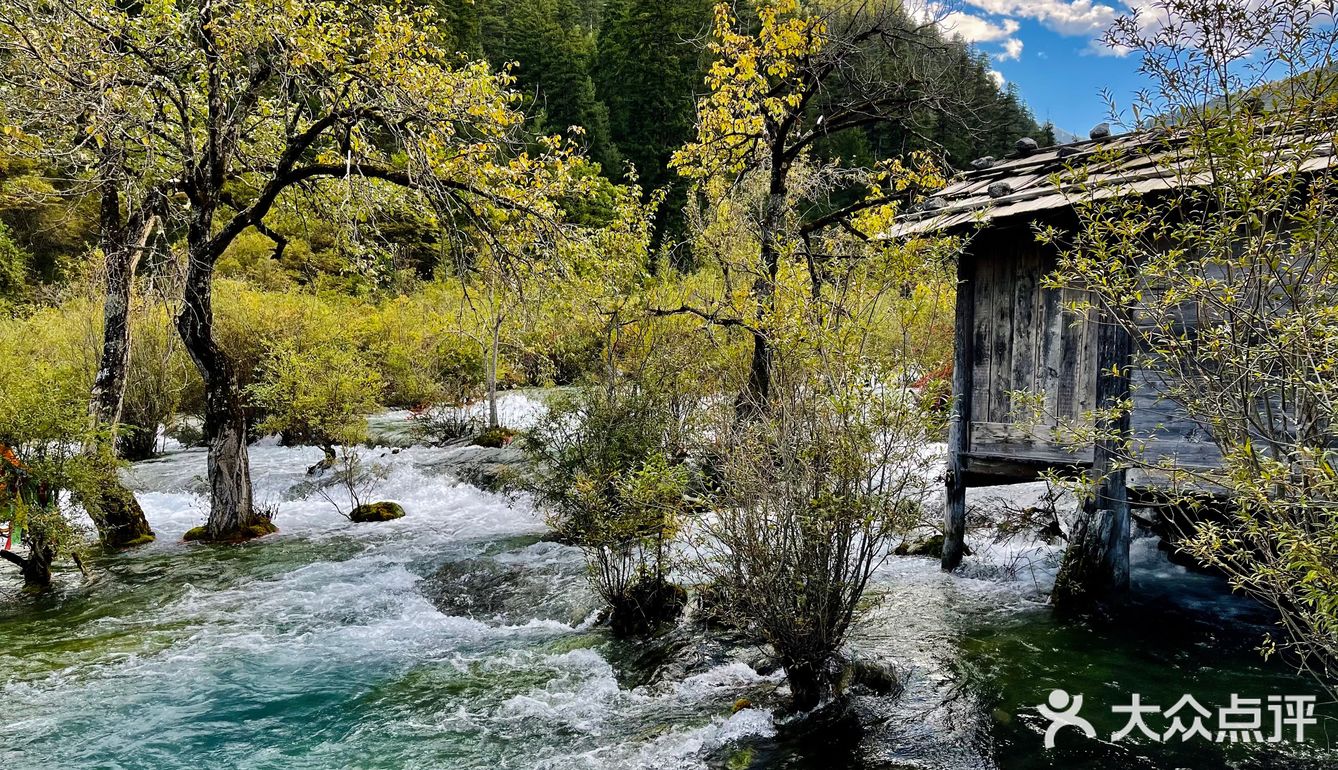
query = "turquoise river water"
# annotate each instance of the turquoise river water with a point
(458, 637)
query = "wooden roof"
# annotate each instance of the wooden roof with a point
(1055, 177)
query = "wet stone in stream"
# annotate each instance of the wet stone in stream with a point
(489, 589)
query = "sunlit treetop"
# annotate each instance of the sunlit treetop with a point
(182, 100)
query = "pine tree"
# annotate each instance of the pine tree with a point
(461, 21)
(1047, 137)
(555, 53)
(650, 65)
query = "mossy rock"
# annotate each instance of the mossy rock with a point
(265, 527)
(138, 541)
(495, 438)
(383, 511)
(259, 529)
(928, 546)
(742, 759)
(931, 546)
(647, 605)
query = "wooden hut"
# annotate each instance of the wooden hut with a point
(1012, 334)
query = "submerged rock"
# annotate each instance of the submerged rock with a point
(491, 469)
(930, 545)
(925, 546)
(833, 731)
(874, 677)
(383, 511)
(326, 463)
(828, 737)
(540, 581)
(475, 588)
(688, 648)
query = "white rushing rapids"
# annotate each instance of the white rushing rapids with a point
(322, 646)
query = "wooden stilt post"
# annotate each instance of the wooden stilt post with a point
(1114, 350)
(959, 425)
(1096, 565)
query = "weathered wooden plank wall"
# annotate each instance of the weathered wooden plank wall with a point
(1161, 429)
(1025, 340)
(1023, 337)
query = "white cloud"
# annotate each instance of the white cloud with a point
(974, 29)
(1099, 48)
(998, 78)
(1067, 17)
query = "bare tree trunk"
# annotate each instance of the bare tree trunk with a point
(122, 257)
(755, 399)
(493, 421)
(959, 427)
(36, 568)
(232, 514)
(810, 683)
(119, 518)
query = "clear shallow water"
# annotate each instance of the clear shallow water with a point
(325, 647)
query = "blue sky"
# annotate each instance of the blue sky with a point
(1051, 50)
(1062, 80)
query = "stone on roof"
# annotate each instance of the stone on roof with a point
(1056, 177)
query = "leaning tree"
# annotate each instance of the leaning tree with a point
(218, 108)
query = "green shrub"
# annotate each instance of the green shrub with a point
(611, 487)
(161, 381)
(14, 261)
(44, 426)
(317, 392)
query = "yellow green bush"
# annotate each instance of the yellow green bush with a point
(44, 388)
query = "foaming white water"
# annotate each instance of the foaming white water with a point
(439, 507)
(361, 600)
(675, 749)
(323, 646)
(588, 701)
(516, 409)
(307, 647)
